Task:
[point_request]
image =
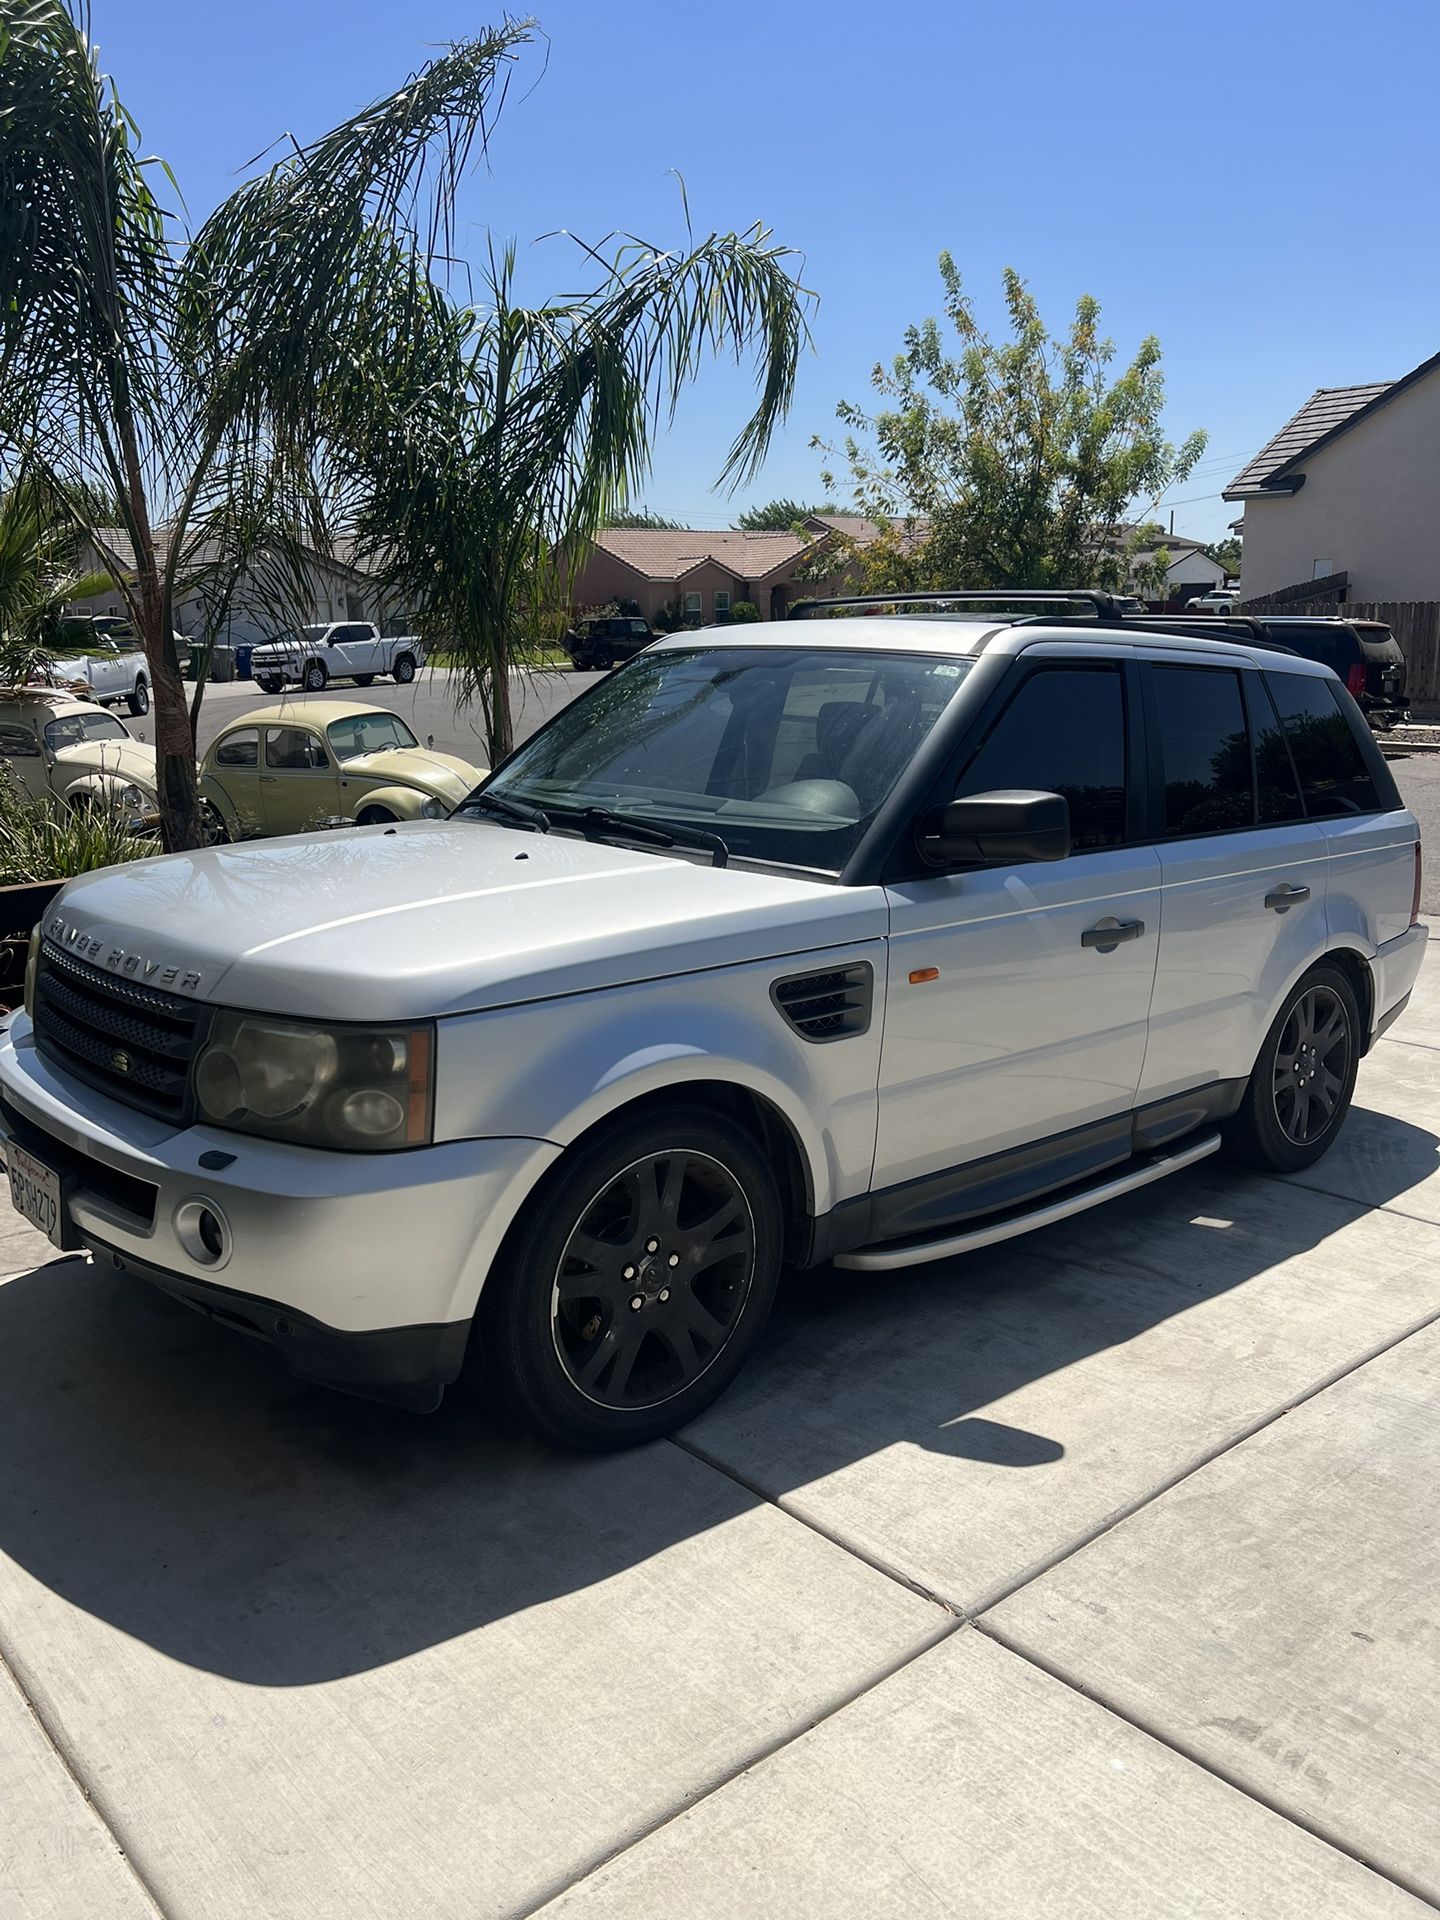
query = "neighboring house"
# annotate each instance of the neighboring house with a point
(333, 587)
(1189, 571)
(1348, 492)
(700, 575)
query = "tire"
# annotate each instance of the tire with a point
(403, 671)
(316, 677)
(217, 834)
(268, 683)
(364, 679)
(375, 817)
(603, 659)
(1282, 1125)
(139, 701)
(544, 1352)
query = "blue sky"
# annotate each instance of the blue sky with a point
(1256, 183)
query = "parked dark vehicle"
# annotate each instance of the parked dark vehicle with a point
(596, 645)
(1364, 653)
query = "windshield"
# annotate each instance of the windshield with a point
(786, 753)
(79, 729)
(361, 733)
(292, 634)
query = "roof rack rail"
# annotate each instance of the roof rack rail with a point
(1105, 605)
(1220, 626)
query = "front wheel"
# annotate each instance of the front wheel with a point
(364, 679)
(634, 1286)
(213, 830)
(375, 817)
(269, 682)
(404, 670)
(1304, 1078)
(315, 677)
(139, 701)
(603, 659)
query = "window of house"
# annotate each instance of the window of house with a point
(722, 601)
(692, 603)
(1204, 750)
(1332, 770)
(240, 750)
(1064, 732)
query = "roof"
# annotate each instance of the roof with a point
(307, 712)
(669, 553)
(117, 541)
(1323, 418)
(1125, 531)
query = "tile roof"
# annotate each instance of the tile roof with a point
(1322, 413)
(665, 553)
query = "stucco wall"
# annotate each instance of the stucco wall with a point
(1370, 507)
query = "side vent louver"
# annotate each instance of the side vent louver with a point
(831, 1005)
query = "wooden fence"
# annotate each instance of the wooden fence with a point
(1414, 623)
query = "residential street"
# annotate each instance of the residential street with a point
(1092, 1575)
(427, 705)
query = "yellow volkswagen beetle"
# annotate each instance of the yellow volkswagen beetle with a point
(287, 768)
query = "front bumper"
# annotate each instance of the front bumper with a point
(363, 1269)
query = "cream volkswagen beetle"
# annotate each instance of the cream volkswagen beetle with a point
(74, 753)
(285, 768)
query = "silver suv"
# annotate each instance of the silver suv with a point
(868, 940)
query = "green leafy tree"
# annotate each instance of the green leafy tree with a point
(1226, 554)
(40, 575)
(631, 517)
(1011, 461)
(778, 516)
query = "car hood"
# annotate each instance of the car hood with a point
(429, 918)
(126, 759)
(443, 774)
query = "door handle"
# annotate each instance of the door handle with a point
(267, 779)
(1286, 896)
(1108, 934)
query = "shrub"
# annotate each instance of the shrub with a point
(41, 842)
(743, 611)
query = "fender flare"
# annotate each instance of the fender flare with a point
(403, 802)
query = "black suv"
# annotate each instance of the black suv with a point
(1365, 654)
(595, 645)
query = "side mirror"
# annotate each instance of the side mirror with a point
(1001, 829)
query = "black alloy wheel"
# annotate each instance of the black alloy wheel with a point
(1312, 1064)
(633, 1286)
(1304, 1076)
(653, 1279)
(268, 683)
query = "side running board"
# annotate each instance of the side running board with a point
(886, 1259)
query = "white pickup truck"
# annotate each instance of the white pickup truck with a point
(313, 656)
(104, 655)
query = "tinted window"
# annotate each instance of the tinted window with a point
(294, 750)
(1333, 774)
(1279, 790)
(1204, 750)
(1064, 732)
(240, 750)
(1333, 647)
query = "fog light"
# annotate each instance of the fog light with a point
(203, 1231)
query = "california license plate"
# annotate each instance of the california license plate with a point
(35, 1190)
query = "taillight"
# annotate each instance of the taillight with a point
(1355, 679)
(1415, 898)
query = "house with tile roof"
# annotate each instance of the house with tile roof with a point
(1348, 491)
(703, 575)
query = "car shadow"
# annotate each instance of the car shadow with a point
(167, 1477)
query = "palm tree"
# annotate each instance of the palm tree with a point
(297, 364)
(39, 577)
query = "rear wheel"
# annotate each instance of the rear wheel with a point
(269, 682)
(603, 659)
(1304, 1078)
(364, 679)
(139, 701)
(404, 669)
(633, 1288)
(316, 677)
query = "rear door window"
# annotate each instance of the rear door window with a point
(1333, 647)
(1204, 748)
(1277, 793)
(1064, 732)
(1332, 770)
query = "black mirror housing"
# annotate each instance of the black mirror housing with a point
(1001, 829)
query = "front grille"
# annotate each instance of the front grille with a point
(830, 1005)
(132, 1041)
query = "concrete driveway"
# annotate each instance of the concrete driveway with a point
(1092, 1576)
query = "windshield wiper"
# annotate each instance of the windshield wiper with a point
(501, 803)
(598, 823)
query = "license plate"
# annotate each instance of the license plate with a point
(35, 1190)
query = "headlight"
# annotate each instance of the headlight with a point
(433, 810)
(131, 800)
(361, 1089)
(32, 967)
